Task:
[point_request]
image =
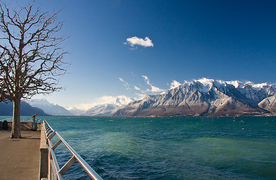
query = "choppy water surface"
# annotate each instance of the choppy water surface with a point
(170, 148)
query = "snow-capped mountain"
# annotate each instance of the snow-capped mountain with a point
(205, 97)
(102, 110)
(49, 108)
(75, 111)
(109, 108)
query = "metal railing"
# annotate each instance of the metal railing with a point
(55, 172)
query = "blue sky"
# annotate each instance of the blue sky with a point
(226, 40)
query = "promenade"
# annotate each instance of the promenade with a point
(19, 158)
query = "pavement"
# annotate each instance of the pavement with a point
(19, 158)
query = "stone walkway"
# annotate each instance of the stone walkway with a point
(19, 158)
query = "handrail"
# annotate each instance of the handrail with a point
(55, 171)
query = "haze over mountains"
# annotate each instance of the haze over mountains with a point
(49, 108)
(110, 108)
(207, 97)
(203, 97)
(102, 109)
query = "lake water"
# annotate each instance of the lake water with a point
(170, 147)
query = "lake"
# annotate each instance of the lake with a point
(170, 147)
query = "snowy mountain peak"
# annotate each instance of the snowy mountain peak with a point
(206, 84)
(49, 108)
(236, 83)
(262, 86)
(205, 81)
(207, 97)
(108, 106)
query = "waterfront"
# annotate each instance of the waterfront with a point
(170, 148)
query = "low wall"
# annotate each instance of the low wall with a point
(27, 126)
(43, 166)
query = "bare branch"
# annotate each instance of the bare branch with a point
(31, 54)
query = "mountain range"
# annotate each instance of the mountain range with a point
(108, 109)
(26, 109)
(207, 97)
(103, 109)
(203, 97)
(49, 108)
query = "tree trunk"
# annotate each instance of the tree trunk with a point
(16, 129)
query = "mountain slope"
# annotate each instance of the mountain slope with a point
(108, 109)
(25, 109)
(269, 104)
(49, 108)
(101, 110)
(75, 111)
(204, 97)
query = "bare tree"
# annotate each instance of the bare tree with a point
(31, 56)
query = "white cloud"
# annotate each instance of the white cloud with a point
(141, 91)
(105, 99)
(122, 99)
(113, 99)
(121, 80)
(146, 79)
(153, 89)
(83, 107)
(139, 41)
(135, 87)
(174, 84)
(125, 84)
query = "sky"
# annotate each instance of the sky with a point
(134, 48)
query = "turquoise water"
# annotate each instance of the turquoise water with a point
(170, 148)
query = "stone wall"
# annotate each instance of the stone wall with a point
(24, 126)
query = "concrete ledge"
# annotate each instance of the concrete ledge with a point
(26, 126)
(43, 167)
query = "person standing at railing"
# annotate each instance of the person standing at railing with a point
(34, 124)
